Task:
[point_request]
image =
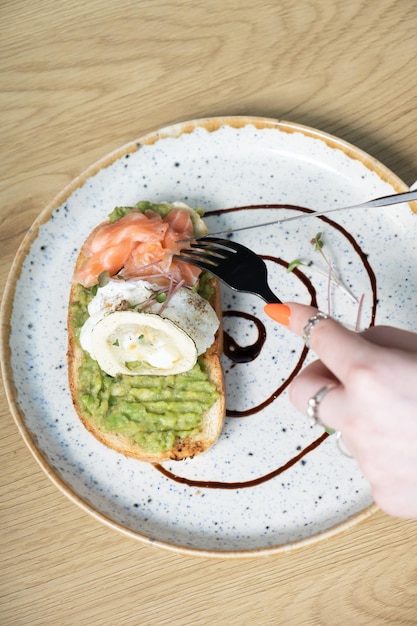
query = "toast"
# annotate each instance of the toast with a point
(152, 418)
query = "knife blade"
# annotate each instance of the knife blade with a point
(397, 198)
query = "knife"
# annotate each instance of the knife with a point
(397, 198)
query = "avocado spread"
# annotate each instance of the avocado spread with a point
(154, 411)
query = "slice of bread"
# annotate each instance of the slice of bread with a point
(212, 419)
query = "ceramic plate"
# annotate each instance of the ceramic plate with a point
(272, 482)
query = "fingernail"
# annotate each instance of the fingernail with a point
(279, 313)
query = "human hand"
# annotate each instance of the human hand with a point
(372, 400)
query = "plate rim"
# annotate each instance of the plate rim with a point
(210, 124)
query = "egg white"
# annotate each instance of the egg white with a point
(185, 309)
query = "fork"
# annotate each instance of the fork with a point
(237, 266)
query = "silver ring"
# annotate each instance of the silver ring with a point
(341, 445)
(310, 325)
(314, 403)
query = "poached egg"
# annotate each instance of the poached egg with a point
(129, 332)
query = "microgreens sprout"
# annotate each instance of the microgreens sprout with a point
(294, 264)
(318, 244)
(358, 316)
(103, 278)
(173, 288)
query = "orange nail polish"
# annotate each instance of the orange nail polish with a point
(279, 313)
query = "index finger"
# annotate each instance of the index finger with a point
(339, 348)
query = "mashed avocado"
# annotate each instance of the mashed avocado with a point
(153, 410)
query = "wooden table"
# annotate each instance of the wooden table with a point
(79, 79)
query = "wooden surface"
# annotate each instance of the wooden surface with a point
(79, 79)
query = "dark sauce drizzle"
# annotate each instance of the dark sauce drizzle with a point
(212, 484)
(235, 355)
(245, 354)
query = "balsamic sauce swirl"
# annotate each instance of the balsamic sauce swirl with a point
(244, 354)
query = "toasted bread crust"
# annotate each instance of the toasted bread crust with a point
(213, 419)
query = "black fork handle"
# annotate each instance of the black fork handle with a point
(268, 295)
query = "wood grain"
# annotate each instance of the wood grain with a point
(78, 79)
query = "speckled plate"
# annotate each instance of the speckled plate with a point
(272, 483)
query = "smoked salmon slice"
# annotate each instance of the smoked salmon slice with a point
(139, 245)
(134, 226)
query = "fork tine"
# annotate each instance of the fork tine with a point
(206, 252)
(234, 264)
(205, 255)
(209, 252)
(198, 261)
(227, 244)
